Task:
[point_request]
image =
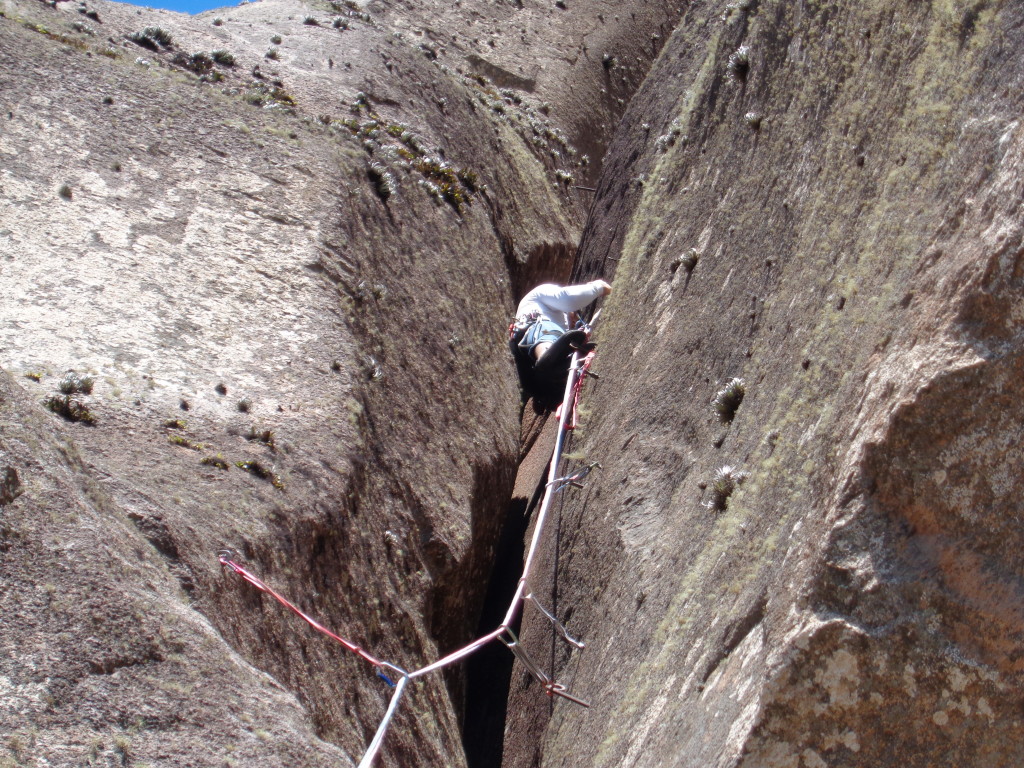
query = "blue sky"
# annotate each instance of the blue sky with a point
(187, 6)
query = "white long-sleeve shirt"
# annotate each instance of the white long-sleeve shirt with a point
(554, 302)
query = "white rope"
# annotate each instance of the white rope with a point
(551, 487)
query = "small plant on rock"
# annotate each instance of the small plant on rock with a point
(72, 383)
(739, 64)
(727, 400)
(723, 484)
(383, 181)
(184, 442)
(224, 58)
(71, 409)
(152, 38)
(253, 467)
(687, 261)
(265, 436)
(373, 368)
(200, 62)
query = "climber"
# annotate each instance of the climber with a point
(542, 342)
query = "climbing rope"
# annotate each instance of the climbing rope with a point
(566, 413)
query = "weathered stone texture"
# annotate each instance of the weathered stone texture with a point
(308, 261)
(305, 262)
(848, 179)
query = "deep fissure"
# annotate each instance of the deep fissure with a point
(489, 671)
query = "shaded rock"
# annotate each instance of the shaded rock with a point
(856, 603)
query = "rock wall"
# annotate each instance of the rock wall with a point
(277, 246)
(823, 200)
(283, 240)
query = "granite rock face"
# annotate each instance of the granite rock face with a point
(270, 252)
(824, 201)
(256, 269)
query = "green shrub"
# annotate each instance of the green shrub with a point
(71, 383)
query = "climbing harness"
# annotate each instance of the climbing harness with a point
(520, 325)
(566, 414)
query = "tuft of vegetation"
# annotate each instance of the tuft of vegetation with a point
(175, 424)
(71, 409)
(254, 467)
(153, 38)
(383, 182)
(265, 436)
(373, 368)
(275, 40)
(668, 139)
(272, 54)
(218, 22)
(723, 484)
(122, 747)
(340, 23)
(33, 375)
(263, 95)
(739, 64)
(184, 442)
(687, 261)
(224, 58)
(200, 63)
(311, 21)
(10, 486)
(72, 383)
(469, 179)
(244, 405)
(727, 401)
(215, 461)
(444, 181)
(65, 191)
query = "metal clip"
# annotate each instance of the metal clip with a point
(520, 653)
(557, 689)
(559, 627)
(575, 477)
